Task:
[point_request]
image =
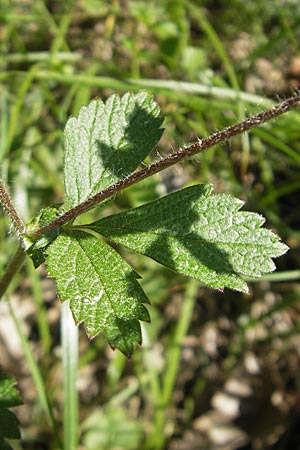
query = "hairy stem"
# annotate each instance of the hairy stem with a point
(12, 269)
(170, 160)
(10, 209)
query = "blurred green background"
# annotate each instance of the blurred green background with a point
(216, 370)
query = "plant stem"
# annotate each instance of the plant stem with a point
(69, 333)
(10, 209)
(36, 376)
(282, 276)
(41, 316)
(167, 87)
(34, 57)
(17, 261)
(174, 353)
(174, 356)
(173, 158)
(12, 269)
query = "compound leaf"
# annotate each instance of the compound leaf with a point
(198, 234)
(107, 142)
(101, 287)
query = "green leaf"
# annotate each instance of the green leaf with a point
(35, 249)
(101, 287)
(9, 397)
(107, 142)
(198, 234)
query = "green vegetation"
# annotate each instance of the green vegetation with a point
(9, 397)
(208, 68)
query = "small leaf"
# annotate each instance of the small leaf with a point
(198, 234)
(35, 249)
(9, 424)
(107, 142)
(101, 287)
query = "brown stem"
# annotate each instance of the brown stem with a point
(10, 209)
(197, 147)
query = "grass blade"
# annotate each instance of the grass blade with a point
(69, 333)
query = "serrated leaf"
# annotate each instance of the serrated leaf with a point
(107, 142)
(101, 287)
(198, 234)
(9, 397)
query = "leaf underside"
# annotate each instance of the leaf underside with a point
(101, 287)
(198, 234)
